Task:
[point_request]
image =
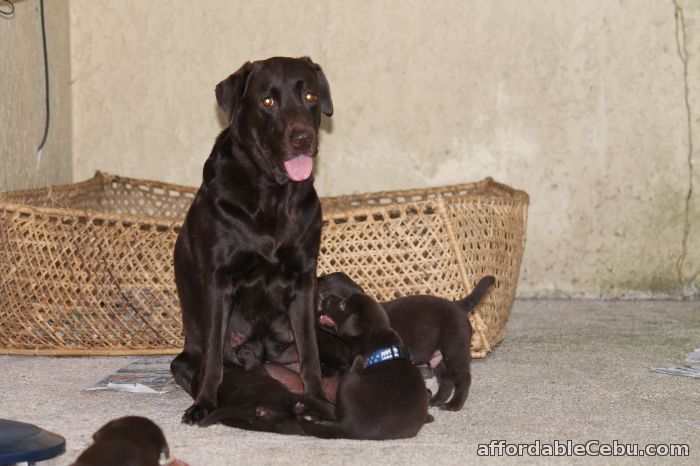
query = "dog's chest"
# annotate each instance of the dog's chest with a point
(287, 222)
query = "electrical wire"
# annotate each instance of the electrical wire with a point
(46, 78)
(10, 11)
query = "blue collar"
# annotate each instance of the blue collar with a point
(389, 354)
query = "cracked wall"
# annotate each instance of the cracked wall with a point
(582, 104)
(690, 15)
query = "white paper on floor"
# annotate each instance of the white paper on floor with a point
(147, 375)
(692, 371)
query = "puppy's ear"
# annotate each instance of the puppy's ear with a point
(231, 90)
(326, 101)
(358, 364)
(350, 327)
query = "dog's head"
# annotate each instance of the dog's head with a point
(137, 430)
(274, 106)
(336, 284)
(354, 316)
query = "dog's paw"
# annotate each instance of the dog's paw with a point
(436, 403)
(429, 419)
(450, 407)
(299, 408)
(196, 413)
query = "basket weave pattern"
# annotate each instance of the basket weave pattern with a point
(87, 268)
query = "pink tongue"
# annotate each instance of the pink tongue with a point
(326, 321)
(300, 167)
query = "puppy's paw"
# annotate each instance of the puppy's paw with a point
(429, 419)
(451, 407)
(299, 408)
(196, 413)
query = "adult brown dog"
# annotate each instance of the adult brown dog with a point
(435, 330)
(245, 259)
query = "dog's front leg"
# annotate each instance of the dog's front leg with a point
(302, 319)
(216, 305)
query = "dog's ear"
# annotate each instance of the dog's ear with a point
(350, 327)
(326, 101)
(231, 90)
(358, 364)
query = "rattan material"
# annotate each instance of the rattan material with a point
(87, 268)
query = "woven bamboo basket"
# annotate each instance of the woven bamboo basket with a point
(86, 268)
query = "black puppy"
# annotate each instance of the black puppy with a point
(245, 259)
(128, 441)
(435, 330)
(382, 396)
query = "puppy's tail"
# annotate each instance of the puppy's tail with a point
(469, 302)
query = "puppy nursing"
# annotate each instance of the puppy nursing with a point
(436, 331)
(382, 396)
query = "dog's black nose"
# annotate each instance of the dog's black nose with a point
(301, 139)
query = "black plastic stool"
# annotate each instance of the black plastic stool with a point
(26, 443)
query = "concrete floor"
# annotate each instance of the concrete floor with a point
(568, 370)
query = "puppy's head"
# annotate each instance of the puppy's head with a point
(354, 316)
(336, 284)
(135, 430)
(274, 106)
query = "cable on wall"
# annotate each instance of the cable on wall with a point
(7, 8)
(46, 82)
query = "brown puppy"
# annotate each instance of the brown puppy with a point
(245, 258)
(435, 330)
(382, 396)
(128, 441)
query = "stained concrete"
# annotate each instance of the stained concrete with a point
(568, 370)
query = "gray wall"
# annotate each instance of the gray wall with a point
(591, 107)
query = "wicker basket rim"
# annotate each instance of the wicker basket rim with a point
(486, 186)
(9, 201)
(99, 178)
(487, 191)
(340, 206)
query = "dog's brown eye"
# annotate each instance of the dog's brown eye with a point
(268, 102)
(309, 97)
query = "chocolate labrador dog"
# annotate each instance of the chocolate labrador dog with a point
(435, 330)
(130, 440)
(245, 258)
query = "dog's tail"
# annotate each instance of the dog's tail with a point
(469, 302)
